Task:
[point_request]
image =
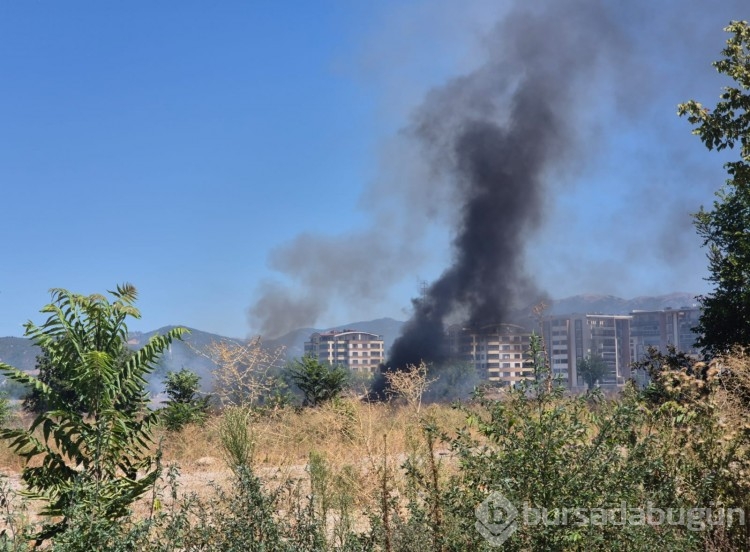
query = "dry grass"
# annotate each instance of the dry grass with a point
(347, 434)
(358, 443)
(351, 437)
(10, 463)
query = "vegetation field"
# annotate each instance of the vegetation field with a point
(397, 475)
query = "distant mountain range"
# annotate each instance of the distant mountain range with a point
(609, 304)
(19, 352)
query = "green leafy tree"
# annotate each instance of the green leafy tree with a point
(33, 400)
(592, 369)
(184, 405)
(725, 229)
(91, 450)
(318, 382)
(56, 378)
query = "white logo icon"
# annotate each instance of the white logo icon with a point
(496, 519)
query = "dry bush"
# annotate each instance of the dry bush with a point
(353, 438)
(702, 429)
(410, 384)
(730, 378)
(731, 374)
(245, 372)
(346, 429)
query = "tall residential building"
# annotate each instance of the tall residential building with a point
(358, 351)
(571, 338)
(558, 339)
(662, 328)
(498, 352)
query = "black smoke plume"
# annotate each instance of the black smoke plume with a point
(572, 107)
(499, 134)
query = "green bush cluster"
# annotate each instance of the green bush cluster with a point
(91, 444)
(184, 404)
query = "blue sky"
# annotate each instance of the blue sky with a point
(180, 145)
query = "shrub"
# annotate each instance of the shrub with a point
(236, 437)
(94, 451)
(184, 406)
(318, 382)
(246, 374)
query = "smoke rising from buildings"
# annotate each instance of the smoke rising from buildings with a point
(488, 153)
(353, 267)
(499, 132)
(487, 139)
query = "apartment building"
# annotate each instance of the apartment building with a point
(571, 338)
(558, 344)
(498, 352)
(662, 328)
(356, 350)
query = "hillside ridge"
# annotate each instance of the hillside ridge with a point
(21, 353)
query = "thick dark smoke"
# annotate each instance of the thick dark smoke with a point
(485, 142)
(500, 133)
(573, 108)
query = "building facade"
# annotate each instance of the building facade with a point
(662, 328)
(498, 352)
(356, 350)
(572, 338)
(558, 339)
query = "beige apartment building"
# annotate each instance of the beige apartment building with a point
(498, 352)
(356, 350)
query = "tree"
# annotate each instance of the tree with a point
(33, 401)
(92, 451)
(184, 405)
(318, 382)
(725, 321)
(64, 390)
(592, 369)
(411, 384)
(246, 374)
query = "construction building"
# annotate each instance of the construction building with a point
(498, 352)
(571, 338)
(356, 350)
(662, 328)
